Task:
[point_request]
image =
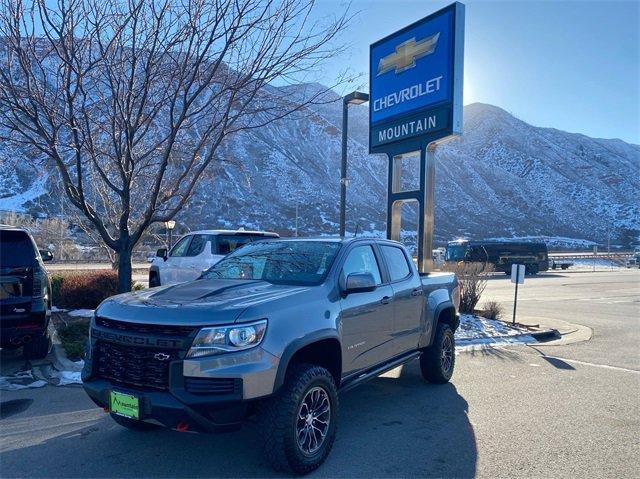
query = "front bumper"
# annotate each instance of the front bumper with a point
(211, 394)
(173, 408)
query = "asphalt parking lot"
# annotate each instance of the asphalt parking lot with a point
(522, 411)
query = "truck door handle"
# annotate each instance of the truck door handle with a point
(416, 292)
(385, 300)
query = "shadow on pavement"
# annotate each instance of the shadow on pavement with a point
(496, 353)
(391, 427)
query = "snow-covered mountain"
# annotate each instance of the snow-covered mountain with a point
(503, 178)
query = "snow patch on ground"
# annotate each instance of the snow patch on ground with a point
(475, 331)
(40, 376)
(20, 380)
(81, 313)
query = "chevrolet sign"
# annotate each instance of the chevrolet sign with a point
(407, 53)
(416, 81)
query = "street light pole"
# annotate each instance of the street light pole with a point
(354, 98)
(169, 225)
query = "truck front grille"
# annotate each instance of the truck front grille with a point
(132, 365)
(168, 330)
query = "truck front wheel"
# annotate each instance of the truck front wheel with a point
(438, 360)
(298, 425)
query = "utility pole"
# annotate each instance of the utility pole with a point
(353, 98)
(296, 220)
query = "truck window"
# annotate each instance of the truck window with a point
(362, 260)
(287, 262)
(197, 245)
(180, 248)
(229, 243)
(16, 249)
(397, 262)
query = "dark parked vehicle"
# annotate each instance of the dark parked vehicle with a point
(25, 294)
(500, 254)
(274, 330)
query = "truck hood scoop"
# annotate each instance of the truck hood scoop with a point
(200, 302)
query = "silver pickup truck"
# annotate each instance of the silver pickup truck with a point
(275, 330)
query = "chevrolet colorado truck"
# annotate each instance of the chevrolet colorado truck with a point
(274, 330)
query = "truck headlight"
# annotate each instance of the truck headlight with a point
(227, 339)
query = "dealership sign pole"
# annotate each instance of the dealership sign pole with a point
(416, 103)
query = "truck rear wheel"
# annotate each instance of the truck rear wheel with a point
(298, 425)
(437, 361)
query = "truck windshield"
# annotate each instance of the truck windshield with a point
(455, 252)
(278, 262)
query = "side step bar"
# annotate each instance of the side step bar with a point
(365, 376)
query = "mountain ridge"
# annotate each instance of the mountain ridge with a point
(502, 178)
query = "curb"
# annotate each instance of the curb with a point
(547, 335)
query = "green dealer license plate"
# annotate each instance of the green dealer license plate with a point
(124, 405)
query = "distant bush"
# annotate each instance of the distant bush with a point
(472, 278)
(86, 290)
(492, 310)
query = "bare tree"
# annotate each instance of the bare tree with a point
(472, 278)
(131, 99)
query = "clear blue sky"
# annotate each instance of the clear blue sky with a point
(571, 65)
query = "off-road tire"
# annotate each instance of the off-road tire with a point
(432, 364)
(278, 415)
(133, 424)
(38, 348)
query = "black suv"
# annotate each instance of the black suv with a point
(25, 294)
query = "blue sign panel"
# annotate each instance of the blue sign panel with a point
(416, 80)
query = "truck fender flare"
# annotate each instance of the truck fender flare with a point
(436, 314)
(295, 346)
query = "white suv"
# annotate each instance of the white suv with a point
(196, 252)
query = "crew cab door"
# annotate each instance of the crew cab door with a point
(197, 259)
(408, 300)
(367, 317)
(169, 270)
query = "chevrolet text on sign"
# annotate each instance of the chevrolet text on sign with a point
(416, 80)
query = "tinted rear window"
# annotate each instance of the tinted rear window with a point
(396, 262)
(229, 243)
(16, 249)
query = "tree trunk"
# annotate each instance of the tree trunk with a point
(124, 270)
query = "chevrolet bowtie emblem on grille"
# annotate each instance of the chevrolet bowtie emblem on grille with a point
(161, 356)
(407, 53)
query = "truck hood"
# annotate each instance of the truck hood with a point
(201, 302)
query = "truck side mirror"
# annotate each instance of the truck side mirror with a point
(359, 283)
(46, 255)
(162, 253)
